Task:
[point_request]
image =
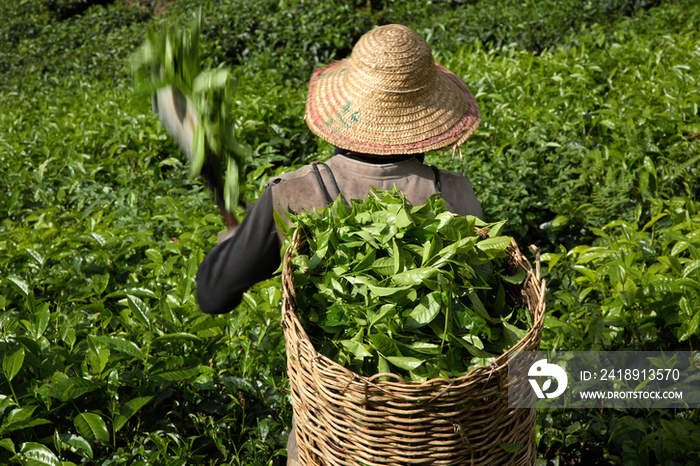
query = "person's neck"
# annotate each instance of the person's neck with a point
(377, 159)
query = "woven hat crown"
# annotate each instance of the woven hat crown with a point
(393, 58)
(390, 97)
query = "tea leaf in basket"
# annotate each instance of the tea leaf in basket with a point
(511, 447)
(415, 276)
(382, 291)
(356, 348)
(424, 312)
(405, 363)
(387, 286)
(384, 311)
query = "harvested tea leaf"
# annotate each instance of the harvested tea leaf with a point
(384, 286)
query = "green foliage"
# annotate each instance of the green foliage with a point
(390, 287)
(580, 136)
(629, 437)
(638, 284)
(106, 356)
(62, 9)
(532, 25)
(590, 132)
(634, 288)
(92, 44)
(296, 36)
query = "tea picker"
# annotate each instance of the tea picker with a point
(382, 108)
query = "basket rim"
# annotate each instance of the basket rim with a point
(290, 322)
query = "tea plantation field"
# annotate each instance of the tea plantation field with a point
(589, 148)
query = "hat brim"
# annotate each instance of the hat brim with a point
(350, 114)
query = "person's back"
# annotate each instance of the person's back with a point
(313, 186)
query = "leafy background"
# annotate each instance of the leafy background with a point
(589, 148)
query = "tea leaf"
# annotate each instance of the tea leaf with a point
(71, 388)
(405, 363)
(216, 322)
(494, 244)
(415, 277)
(173, 376)
(181, 336)
(383, 265)
(8, 444)
(17, 418)
(474, 340)
(384, 311)
(20, 284)
(356, 348)
(516, 279)
(377, 290)
(12, 364)
(42, 316)
(79, 443)
(385, 345)
(92, 427)
(38, 455)
(98, 358)
(424, 312)
(123, 345)
(128, 410)
(139, 309)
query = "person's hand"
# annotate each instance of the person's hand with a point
(224, 235)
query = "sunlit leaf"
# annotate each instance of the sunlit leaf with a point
(123, 345)
(139, 309)
(424, 312)
(38, 455)
(8, 444)
(79, 443)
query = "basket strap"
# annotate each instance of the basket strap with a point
(438, 184)
(335, 183)
(326, 194)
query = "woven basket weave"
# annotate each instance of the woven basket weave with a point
(343, 418)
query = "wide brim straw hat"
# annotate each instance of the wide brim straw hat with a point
(390, 97)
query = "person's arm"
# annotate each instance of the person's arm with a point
(250, 256)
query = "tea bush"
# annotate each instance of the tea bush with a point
(579, 136)
(588, 147)
(105, 353)
(95, 43)
(635, 287)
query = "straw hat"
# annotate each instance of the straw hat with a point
(390, 97)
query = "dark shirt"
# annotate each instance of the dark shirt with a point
(248, 257)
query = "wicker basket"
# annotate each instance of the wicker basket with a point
(343, 418)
